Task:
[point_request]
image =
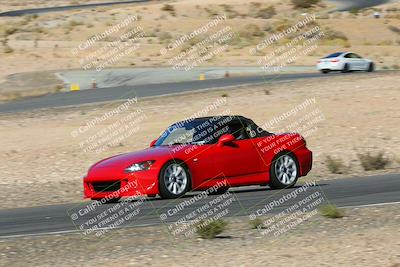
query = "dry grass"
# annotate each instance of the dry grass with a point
(65, 30)
(373, 162)
(331, 211)
(335, 165)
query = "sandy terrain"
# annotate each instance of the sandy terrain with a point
(365, 237)
(43, 163)
(45, 42)
(23, 4)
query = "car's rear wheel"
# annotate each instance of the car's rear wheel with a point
(345, 68)
(174, 180)
(325, 71)
(284, 171)
(371, 67)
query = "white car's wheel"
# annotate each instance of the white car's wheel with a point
(371, 67)
(346, 68)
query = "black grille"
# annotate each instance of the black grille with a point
(106, 186)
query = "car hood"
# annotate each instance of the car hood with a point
(124, 160)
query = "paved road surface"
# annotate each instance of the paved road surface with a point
(22, 12)
(343, 192)
(147, 90)
(348, 5)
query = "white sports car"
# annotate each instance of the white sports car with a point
(344, 62)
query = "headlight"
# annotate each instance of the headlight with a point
(141, 166)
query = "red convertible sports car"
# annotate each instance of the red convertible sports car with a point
(198, 154)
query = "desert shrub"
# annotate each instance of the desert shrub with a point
(334, 165)
(37, 29)
(230, 11)
(27, 19)
(74, 23)
(58, 88)
(256, 223)
(10, 30)
(8, 49)
(227, 8)
(212, 229)
(396, 67)
(282, 25)
(386, 42)
(331, 211)
(354, 11)
(304, 3)
(332, 35)
(224, 95)
(392, 9)
(266, 13)
(323, 16)
(394, 29)
(373, 162)
(251, 30)
(347, 44)
(169, 8)
(267, 28)
(164, 36)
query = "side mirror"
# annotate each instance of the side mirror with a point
(153, 142)
(226, 138)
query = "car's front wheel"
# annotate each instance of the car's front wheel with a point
(284, 171)
(174, 180)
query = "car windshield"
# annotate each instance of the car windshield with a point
(334, 55)
(197, 131)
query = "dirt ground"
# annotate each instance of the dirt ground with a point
(44, 156)
(364, 237)
(44, 43)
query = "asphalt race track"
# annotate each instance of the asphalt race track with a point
(147, 90)
(348, 5)
(22, 12)
(52, 219)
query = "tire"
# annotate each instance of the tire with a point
(325, 71)
(371, 67)
(345, 68)
(284, 171)
(110, 201)
(220, 191)
(174, 180)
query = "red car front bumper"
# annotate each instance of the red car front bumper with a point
(104, 184)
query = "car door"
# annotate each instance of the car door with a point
(351, 61)
(201, 161)
(358, 62)
(361, 63)
(239, 157)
